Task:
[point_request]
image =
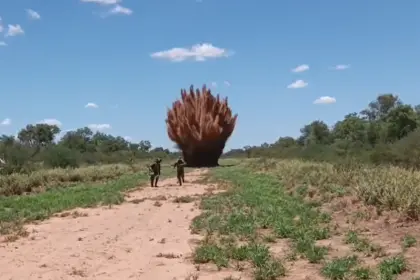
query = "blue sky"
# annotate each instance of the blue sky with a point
(78, 52)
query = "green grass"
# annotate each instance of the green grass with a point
(390, 268)
(15, 210)
(347, 268)
(257, 203)
(340, 268)
(269, 200)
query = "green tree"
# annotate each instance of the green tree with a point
(145, 146)
(317, 132)
(79, 140)
(400, 121)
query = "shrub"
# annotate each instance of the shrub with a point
(62, 157)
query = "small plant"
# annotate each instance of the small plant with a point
(210, 253)
(363, 273)
(408, 241)
(340, 268)
(391, 267)
(363, 245)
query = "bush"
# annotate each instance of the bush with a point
(61, 157)
(16, 159)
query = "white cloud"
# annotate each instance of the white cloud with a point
(3, 44)
(128, 138)
(325, 100)
(301, 68)
(227, 83)
(99, 127)
(341, 67)
(14, 30)
(120, 10)
(91, 105)
(213, 84)
(51, 122)
(33, 14)
(298, 84)
(199, 52)
(102, 2)
(6, 121)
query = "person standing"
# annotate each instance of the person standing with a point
(180, 164)
(154, 170)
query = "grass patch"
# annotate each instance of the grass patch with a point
(15, 210)
(363, 273)
(45, 179)
(340, 268)
(390, 268)
(347, 268)
(257, 202)
(387, 188)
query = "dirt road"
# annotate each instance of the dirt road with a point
(147, 237)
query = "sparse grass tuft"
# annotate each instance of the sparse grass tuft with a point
(363, 273)
(363, 245)
(409, 241)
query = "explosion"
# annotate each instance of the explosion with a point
(200, 124)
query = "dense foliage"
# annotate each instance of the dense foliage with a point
(386, 132)
(35, 147)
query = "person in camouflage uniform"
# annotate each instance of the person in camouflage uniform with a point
(179, 164)
(154, 170)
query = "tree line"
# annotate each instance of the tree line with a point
(35, 147)
(386, 132)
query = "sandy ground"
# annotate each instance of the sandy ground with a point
(147, 237)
